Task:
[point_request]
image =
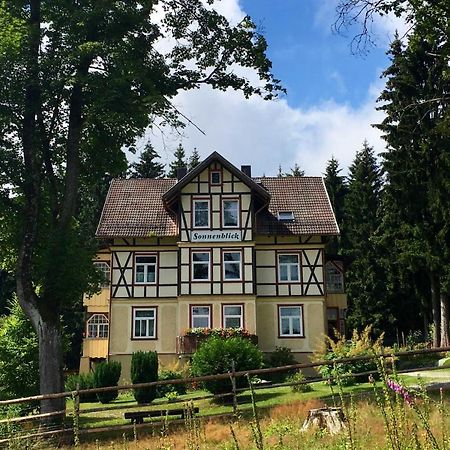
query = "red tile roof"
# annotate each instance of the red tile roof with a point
(306, 198)
(134, 208)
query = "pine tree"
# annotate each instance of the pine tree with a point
(417, 209)
(296, 171)
(336, 188)
(365, 278)
(194, 160)
(178, 162)
(147, 166)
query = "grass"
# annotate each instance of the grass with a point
(282, 413)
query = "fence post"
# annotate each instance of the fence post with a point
(76, 417)
(233, 387)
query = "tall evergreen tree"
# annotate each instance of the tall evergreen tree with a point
(194, 160)
(147, 166)
(417, 210)
(336, 188)
(365, 277)
(178, 162)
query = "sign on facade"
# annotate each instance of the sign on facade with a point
(216, 236)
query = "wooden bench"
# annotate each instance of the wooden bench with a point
(139, 416)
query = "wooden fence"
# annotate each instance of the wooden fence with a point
(45, 429)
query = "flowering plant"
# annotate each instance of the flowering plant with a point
(220, 332)
(400, 390)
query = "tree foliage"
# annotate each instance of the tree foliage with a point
(79, 81)
(194, 159)
(178, 162)
(336, 188)
(147, 166)
(417, 163)
(19, 364)
(368, 303)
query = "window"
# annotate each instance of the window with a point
(215, 177)
(233, 316)
(144, 323)
(103, 267)
(97, 327)
(200, 266)
(230, 213)
(145, 269)
(200, 316)
(334, 277)
(201, 213)
(232, 265)
(289, 268)
(286, 216)
(291, 321)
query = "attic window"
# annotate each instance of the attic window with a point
(216, 177)
(286, 216)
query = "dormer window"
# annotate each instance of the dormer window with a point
(286, 216)
(215, 177)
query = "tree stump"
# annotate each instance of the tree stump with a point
(332, 419)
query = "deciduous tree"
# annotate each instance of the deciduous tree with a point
(79, 81)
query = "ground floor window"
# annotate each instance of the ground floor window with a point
(144, 323)
(233, 316)
(97, 327)
(200, 316)
(290, 320)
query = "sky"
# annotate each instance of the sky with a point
(330, 103)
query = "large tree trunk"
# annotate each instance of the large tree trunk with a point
(444, 320)
(436, 308)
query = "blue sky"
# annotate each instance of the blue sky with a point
(328, 111)
(314, 63)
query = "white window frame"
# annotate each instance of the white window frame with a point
(146, 265)
(288, 265)
(238, 210)
(208, 316)
(104, 267)
(194, 203)
(225, 263)
(232, 316)
(290, 320)
(97, 322)
(145, 319)
(194, 263)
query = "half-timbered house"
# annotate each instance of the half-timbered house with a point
(214, 248)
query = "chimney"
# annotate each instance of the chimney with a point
(181, 172)
(247, 170)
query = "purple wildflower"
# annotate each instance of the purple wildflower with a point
(400, 390)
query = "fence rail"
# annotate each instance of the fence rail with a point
(77, 411)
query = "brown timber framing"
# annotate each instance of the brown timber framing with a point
(130, 287)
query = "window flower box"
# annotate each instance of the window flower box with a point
(192, 338)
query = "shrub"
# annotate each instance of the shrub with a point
(163, 390)
(19, 362)
(107, 374)
(144, 369)
(216, 355)
(360, 344)
(85, 381)
(282, 356)
(296, 377)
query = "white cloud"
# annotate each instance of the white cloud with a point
(267, 134)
